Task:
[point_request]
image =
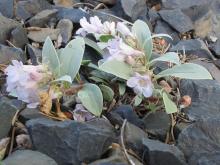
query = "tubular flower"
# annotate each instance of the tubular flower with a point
(95, 26)
(141, 84)
(23, 81)
(123, 29)
(120, 51)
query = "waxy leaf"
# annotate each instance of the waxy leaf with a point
(168, 57)
(170, 106)
(121, 88)
(117, 68)
(71, 57)
(50, 57)
(137, 100)
(91, 98)
(65, 78)
(107, 92)
(187, 71)
(94, 45)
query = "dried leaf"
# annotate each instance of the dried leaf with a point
(45, 102)
(59, 113)
(3, 146)
(165, 86)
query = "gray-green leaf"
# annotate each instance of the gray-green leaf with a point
(71, 57)
(187, 71)
(107, 92)
(170, 106)
(50, 57)
(94, 45)
(91, 98)
(65, 78)
(117, 68)
(168, 57)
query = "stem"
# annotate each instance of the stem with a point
(78, 79)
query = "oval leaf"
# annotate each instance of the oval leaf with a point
(65, 78)
(94, 45)
(117, 68)
(168, 57)
(107, 92)
(50, 57)
(187, 71)
(170, 106)
(91, 98)
(71, 57)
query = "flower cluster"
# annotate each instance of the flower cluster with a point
(24, 81)
(121, 46)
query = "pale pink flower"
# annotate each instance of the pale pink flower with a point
(120, 51)
(96, 27)
(141, 84)
(23, 81)
(123, 29)
(81, 114)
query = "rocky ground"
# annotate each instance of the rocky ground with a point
(37, 140)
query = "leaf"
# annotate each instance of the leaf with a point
(168, 57)
(137, 100)
(45, 102)
(71, 57)
(107, 92)
(65, 78)
(170, 106)
(143, 34)
(187, 71)
(91, 98)
(121, 88)
(105, 38)
(117, 68)
(161, 36)
(50, 57)
(94, 45)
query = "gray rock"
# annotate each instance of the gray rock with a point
(134, 8)
(66, 28)
(177, 19)
(35, 54)
(158, 153)
(19, 37)
(180, 4)
(163, 27)
(195, 47)
(153, 16)
(216, 48)
(41, 19)
(27, 9)
(6, 25)
(30, 113)
(8, 53)
(28, 157)
(72, 14)
(43, 33)
(205, 98)
(7, 112)
(71, 142)
(7, 8)
(157, 123)
(204, 136)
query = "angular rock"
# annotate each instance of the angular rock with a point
(6, 25)
(204, 136)
(8, 53)
(65, 3)
(180, 4)
(66, 28)
(72, 14)
(216, 48)
(7, 8)
(158, 153)
(195, 47)
(28, 157)
(134, 8)
(71, 142)
(177, 19)
(30, 113)
(157, 123)
(205, 98)
(41, 19)
(43, 33)
(27, 9)
(7, 112)
(35, 54)
(19, 37)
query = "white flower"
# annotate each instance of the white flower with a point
(141, 84)
(120, 51)
(23, 81)
(96, 27)
(123, 29)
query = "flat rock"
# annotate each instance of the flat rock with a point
(204, 136)
(19, 37)
(72, 14)
(30, 113)
(216, 48)
(41, 34)
(158, 153)
(177, 19)
(71, 142)
(7, 112)
(9, 53)
(6, 25)
(28, 157)
(157, 123)
(192, 47)
(7, 8)
(205, 98)
(42, 18)
(66, 28)
(180, 4)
